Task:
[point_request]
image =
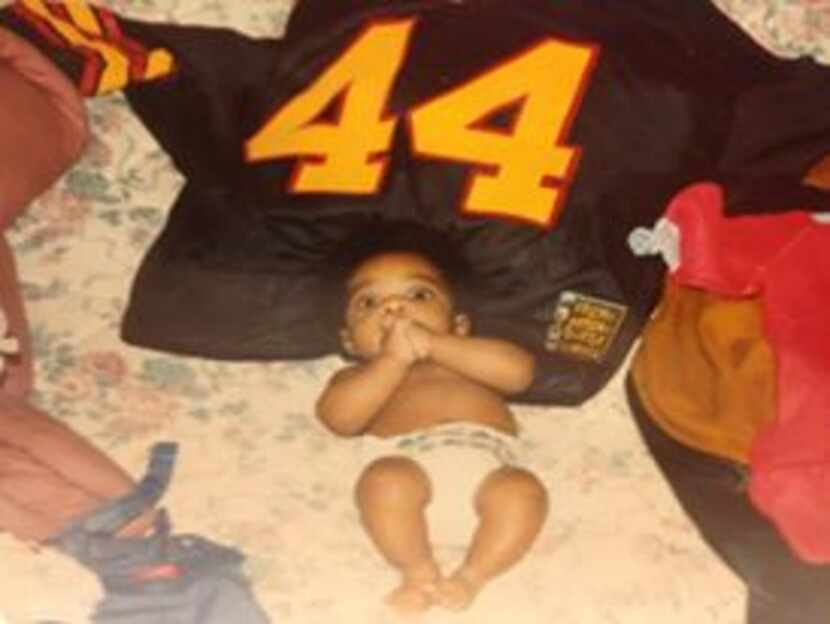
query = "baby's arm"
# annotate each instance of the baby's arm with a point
(356, 394)
(500, 364)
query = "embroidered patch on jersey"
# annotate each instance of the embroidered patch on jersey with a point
(583, 327)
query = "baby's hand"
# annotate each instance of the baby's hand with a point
(421, 339)
(397, 341)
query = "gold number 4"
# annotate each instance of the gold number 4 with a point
(520, 173)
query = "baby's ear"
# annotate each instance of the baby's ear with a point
(461, 325)
(346, 341)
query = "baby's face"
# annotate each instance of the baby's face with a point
(394, 285)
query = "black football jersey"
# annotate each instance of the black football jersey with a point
(538, 133)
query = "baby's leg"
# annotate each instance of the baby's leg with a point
(511, 504)
(391, 494)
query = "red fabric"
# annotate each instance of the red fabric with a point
(785, 259)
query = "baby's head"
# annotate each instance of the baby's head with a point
(398, 269)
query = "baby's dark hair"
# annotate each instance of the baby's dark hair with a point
(380, 237)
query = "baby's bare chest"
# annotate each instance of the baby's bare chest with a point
(427, 400)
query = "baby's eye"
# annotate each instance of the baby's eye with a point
(421, 293)
(365, 302)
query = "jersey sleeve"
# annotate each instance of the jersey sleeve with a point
(779, 130)
(89, 44)
(186, 84)
(775, 121)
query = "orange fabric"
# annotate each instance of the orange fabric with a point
(705, 372)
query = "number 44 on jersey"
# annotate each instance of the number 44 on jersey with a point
(520, 173)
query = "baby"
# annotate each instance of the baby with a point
(432, 397)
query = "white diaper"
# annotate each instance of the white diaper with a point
(456, 457)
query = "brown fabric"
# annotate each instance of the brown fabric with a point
(705, 372)
(43, 124)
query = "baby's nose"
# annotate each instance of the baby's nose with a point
(393, 303)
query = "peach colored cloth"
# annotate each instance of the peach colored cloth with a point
(48, 473)
(43, 125)
(16, 376)
(42, 121)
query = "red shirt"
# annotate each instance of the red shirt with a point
(786, 260)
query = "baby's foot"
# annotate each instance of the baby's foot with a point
(411, 598)
(457, 592)
(416, 593)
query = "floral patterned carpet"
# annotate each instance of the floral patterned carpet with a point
(255, 468)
